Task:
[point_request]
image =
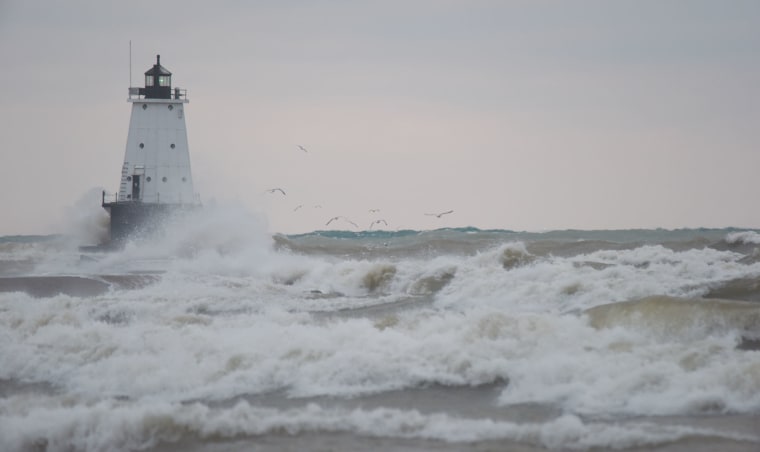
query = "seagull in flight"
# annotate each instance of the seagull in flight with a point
(302, 148)
(341, 218)
(374, 210)
(298, 207)
(272, 190)
(439, 215)
(378, 222)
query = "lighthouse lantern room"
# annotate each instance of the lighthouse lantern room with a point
(156, 180)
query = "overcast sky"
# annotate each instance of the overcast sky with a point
(523, 115)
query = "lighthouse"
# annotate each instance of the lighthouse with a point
(156, 181)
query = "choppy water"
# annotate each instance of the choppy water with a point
(222, 337)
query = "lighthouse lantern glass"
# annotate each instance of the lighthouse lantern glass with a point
(164, 80)
(148, 80)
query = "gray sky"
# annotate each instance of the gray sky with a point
(525, 115)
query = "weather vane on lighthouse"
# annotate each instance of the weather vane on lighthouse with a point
(156, 180)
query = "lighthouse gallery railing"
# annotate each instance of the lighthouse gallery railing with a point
(112, 198)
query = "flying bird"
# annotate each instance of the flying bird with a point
(272, 190)
(374, 210)
(302, 148)
(298, 207)
(377, 222)
(439, 215)
(341, 218)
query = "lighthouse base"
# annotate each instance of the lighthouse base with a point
(134, 220)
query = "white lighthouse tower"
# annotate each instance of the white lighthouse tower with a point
(156, 180)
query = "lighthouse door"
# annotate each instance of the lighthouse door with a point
(135, 188)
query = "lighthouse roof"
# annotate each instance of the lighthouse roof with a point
(157, 69)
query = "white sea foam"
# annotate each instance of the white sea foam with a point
(168, 348)
(749, 237)
(567, 284)
(112, 425)
(229, 316)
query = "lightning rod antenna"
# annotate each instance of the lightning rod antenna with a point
(130, 63)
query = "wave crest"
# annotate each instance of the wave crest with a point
(515, 255)
(680, 317)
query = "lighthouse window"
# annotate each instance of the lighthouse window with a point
(129, 178)
(171, 107)
(142, 145)
(172, 146)
(145, 106)
(184, 179)
(148, 80)
(164, 80)
(147, 179)
(163, 179)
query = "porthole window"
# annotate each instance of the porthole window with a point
(145, 106)
(172, 146)
(129, 178)
(171, 107)
(147, 179)
(163, 179)
(142, 145)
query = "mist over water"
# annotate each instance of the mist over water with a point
(85, 222)
(219, 334)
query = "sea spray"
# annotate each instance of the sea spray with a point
(85, 222)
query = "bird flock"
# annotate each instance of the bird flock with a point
(376, 223)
